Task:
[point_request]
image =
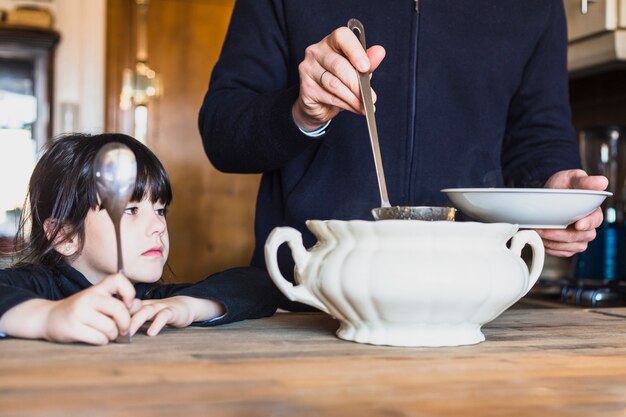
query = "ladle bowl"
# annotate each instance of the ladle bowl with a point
(427, 213)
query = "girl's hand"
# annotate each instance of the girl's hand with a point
(329, 80)
(178, 311)
(93, 315)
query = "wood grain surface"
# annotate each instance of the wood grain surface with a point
(535, 362)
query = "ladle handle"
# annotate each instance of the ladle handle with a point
(293, 238)
(116, 218)
(118, 238)
(368, 103)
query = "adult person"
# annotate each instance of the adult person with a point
(469, 94)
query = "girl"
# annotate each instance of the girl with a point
(62, 289)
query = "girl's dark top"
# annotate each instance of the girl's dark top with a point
(246, 293)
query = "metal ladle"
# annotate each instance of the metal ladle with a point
(386, 211)
(115, 171)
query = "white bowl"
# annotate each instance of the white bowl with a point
(533, 208)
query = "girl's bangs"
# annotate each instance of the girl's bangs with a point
(152, 182)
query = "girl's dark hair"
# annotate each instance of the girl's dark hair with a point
(62, 190)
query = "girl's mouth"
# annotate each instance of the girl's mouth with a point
(156, 251)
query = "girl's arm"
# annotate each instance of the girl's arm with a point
(232, 295)
(91, 316)
(27, 319)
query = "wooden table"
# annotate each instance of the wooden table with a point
(557, 362)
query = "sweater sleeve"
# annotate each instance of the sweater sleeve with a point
(245, 120)
(246, 293)
(540, 139)
(18, 286)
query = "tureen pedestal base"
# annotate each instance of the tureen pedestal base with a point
(412, 334)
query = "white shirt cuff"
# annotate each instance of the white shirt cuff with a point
(317, 132)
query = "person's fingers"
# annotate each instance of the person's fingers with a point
(575, 247)
(161, 319)
(329, 78)
(553, 237)
(577, 179)
(339, 95)
(313, 94)
(90, 335)
(146, 313)
(341, 78)
(103, 324)
(135, 306)
(592, 221)
(125, 290)
(314, 91)
(376, 54)
(590, 182)
(117, 311)
(344, 41)
(561, 254)
(120, 285)
(564, 179)
(565, 243)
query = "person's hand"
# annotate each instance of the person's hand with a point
(178, 311)
(90, 316)
(575, 238)
(329, 80)
(93, 315)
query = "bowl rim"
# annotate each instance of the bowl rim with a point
(526, 191)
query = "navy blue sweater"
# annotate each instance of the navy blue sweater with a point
(470, 94)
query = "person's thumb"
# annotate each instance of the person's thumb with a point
(376, 54)
(118, 284)
(590, 182)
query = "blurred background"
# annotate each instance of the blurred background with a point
(138, 67)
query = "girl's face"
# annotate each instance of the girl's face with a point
(145, 243)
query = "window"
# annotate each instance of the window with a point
(26, 62)
(18, 113)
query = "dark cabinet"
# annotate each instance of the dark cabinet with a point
(26, 92)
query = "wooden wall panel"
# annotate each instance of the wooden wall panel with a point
(211, 220)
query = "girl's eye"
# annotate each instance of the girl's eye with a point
(161, 211)
(131, 210)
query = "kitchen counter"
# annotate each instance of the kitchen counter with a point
(535, 361)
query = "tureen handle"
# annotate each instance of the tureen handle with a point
(531, 238)
(301, 257)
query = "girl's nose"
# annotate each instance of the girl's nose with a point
(157, 224)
